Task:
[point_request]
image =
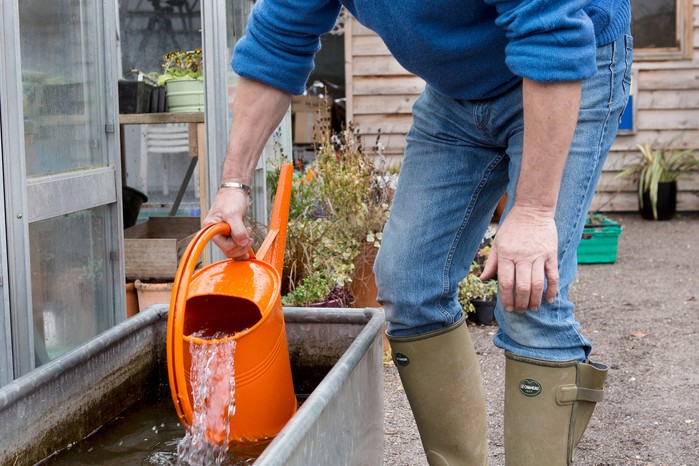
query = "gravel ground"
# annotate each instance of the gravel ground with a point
(642, 316)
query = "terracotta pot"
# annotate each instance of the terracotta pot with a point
(363, 286)
(500, 208)
(131, 300)
(152, 293)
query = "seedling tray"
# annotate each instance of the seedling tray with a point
(599, 242)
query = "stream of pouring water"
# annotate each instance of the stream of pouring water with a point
(213, 389)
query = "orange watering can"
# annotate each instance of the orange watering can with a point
(235, 300)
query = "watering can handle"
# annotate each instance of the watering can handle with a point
(175, 348)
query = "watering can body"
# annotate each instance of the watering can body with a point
(240, 301)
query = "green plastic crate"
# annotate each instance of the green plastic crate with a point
(599, 242)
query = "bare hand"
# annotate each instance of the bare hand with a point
(525, 250)
(231, 206)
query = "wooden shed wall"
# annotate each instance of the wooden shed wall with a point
(380, 95)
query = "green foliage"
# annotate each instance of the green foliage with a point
(313, 289)
(339, 204)
(657, 165)
(595, 219)
(472, 288)
(179, 64)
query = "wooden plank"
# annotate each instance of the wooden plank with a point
(617, 161)
(628, 202)
(688, 139)
(389, 85)
(377, 66)
(664, 65)
(381, 104)
(662, 99)
(193, 139)
(358, 29)
(668, 79)
(610, 183)
(369, 46)
(675, 119)
(614, 202)
(393, 144)
(349, 71)
(384, 123)
(160, 118)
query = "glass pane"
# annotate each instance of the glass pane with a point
(237, 12)
(62, 76)
(654, 23)
(152, 28)
(70, 272)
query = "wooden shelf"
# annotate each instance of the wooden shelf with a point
(160, 118)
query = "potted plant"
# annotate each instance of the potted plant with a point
(136, 92)
(656, 171)
(339, 204)
(478, 297)
(183, 78)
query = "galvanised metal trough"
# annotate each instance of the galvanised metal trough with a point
(336, 357)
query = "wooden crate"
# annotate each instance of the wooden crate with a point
(307, 113)
(152, 249)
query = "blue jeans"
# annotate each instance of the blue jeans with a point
(460, 159)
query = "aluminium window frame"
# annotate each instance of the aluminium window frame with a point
(24, 197)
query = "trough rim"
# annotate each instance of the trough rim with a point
(285, 443)
(37, 378)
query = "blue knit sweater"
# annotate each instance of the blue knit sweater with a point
(467, 49)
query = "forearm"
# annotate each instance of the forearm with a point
(257, 110)
(550, 117)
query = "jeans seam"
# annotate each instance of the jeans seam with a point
(459, 233)
(483, 121)
(600, 140)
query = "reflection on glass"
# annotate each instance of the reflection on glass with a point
(237, 12)
(62, 92)
(654, 23)
(152, 28)
(70, 276)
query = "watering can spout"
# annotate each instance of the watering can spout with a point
(272, 249)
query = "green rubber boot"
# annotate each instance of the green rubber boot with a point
(442, 380)
(547, 407)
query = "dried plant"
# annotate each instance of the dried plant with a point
(339, 205)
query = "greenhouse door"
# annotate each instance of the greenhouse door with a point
(60, 171)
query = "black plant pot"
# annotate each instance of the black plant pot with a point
(132, 200)
(485, 312)
(666, 205)
(134, 96)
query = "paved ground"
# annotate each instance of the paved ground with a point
(642, 316)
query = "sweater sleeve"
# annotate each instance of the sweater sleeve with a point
(548, 40)
(281, 39)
